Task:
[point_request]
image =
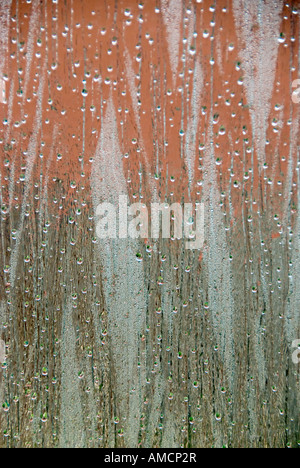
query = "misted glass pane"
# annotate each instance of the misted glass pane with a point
(149, 227)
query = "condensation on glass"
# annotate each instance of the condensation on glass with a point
(131, 340)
